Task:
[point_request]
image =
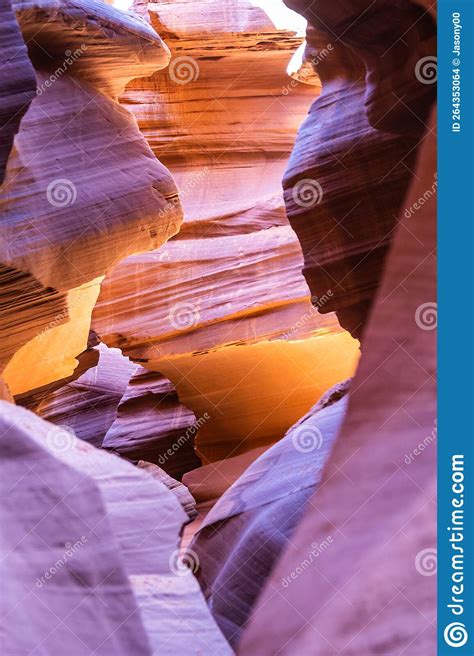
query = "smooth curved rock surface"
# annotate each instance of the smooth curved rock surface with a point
(220, 304)
(61, 562)
(344, 186)
(145, 519)
(118, 405)
(87, 405)
(82, 188)
(385, 510)
(392, 38)
(245, 533)
(17, 81)
(151, 424)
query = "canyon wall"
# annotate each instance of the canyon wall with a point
(70, 211)
(222, 310)
(194, 244)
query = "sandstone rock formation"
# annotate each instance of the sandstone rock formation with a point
(82, 189)
(98, 543)
(152, 425)
(345, 185)
(87, 405)
(398, 55)
(17, 81)
(385, 514)
(222, 310)
(178, 443)
(245, 533)
(124, 408)
(237, 558)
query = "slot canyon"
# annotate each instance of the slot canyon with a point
(217, 319)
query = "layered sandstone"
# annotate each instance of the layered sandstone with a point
(222, 310)
(82, 188)
(268, 530)
(241, 539)
(345, 184)
(384, 521)
(17, 81)
(91, 576)
(215, 349)
(118, 405)
(152, 424)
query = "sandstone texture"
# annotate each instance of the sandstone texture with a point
(82, 188)
(217, 323)
(17, 81)
(98, 540)
(226, 295)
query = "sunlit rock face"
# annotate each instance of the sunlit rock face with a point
(344, 185)
(224, 114)
(222, 310)
(87, 405)
(368, 580)
(214, 356)
(98, 540)
(267, 533)
(118, 405)
(245, 533)
(82, 188)
(17, 81)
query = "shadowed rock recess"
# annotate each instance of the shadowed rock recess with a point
(217, 322)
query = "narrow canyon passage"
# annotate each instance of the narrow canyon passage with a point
(216, 349)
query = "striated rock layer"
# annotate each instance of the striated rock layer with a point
(92, 553)
(118, 405)
(245, 533)
(222, 310)
(17, 81)
(151, 424)
(345, 185)
(398, 54)
(87, 406)
(385, 516)
(82, 188)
